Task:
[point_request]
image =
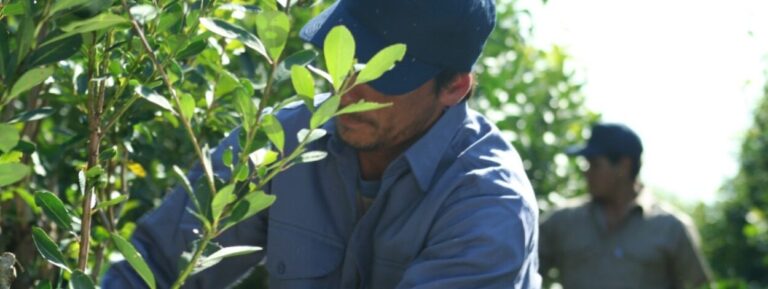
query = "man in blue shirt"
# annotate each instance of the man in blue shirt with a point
(423, 194)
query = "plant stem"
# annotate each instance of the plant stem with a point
(191, 266)
(94, 138)
(184, 119)
(99, 252)
(262, 104)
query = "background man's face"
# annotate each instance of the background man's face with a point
(602, 178)
(410, 115)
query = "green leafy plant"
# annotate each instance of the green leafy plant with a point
(117, 73)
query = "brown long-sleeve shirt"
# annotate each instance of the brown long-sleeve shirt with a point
(653, 247)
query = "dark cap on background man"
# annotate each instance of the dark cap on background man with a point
(439, 35)
(610, 139)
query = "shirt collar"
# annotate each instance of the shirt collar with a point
(425, 154)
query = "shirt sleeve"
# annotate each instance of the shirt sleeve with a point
(690, 270)
(483, 242)
(163, 235)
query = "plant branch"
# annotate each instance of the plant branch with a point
(184, 119)
(207, 237)
(94, 137)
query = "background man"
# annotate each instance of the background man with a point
(620, 238)
(423, 194)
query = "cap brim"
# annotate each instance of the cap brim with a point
(406, 76)
(581, 150)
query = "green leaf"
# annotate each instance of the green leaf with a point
(302, 81)
(226, 83)
(81, 281)
(273, 28)
(110, 203)
(224, 197)
(176, 72)
(187, 105)
(380, 63)
(362, 106)
(11, 157)
(11, 173)
(32, 115)
(203, 220)
(153, 97)
(310, 135)
(30, 79)
(25, 34)
(94, 172)
(170, 18)
(246, 108)
(143, 13)
(192, 49)
(274, 131)
(13, 9)
(268, 5)
(101, 21)
(185, 182)
(320, 73)
(339, 52)
(229, 30)
(45, 284)
(28, 199)
(227, 157)
(325, 112)
(249, 205)
(215, 258)
(311, 156)
(48, 249)
(207, 167)
(263, 157)
(9, 137)
(55, 51)
(241, 173)
(108, 153)
(54, 209)
(301, 58)
(134, 259)
(66, 4)
(81, 181)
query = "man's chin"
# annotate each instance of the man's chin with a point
(358, 143)
(361, 146)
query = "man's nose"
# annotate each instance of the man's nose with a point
(353, 95)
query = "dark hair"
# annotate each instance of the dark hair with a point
(445, 78)
(636, 163)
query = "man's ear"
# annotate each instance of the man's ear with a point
(457, 89)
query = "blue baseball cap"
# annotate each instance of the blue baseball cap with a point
(439, 35)
(609, 139)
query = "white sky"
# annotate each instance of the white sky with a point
(684, 74)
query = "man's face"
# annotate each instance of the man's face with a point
(391, 128)
(602, 178)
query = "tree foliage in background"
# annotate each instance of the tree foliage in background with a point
(735, 230)
(536, 101)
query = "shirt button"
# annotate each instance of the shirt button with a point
(281, 268)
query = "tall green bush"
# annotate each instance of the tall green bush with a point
(115, 76)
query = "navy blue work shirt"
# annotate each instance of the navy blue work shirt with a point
(455, 210)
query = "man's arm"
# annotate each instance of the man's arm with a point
(690, 270)
(483, 242)
(163, 235)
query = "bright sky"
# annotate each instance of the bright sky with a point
(684, 74)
